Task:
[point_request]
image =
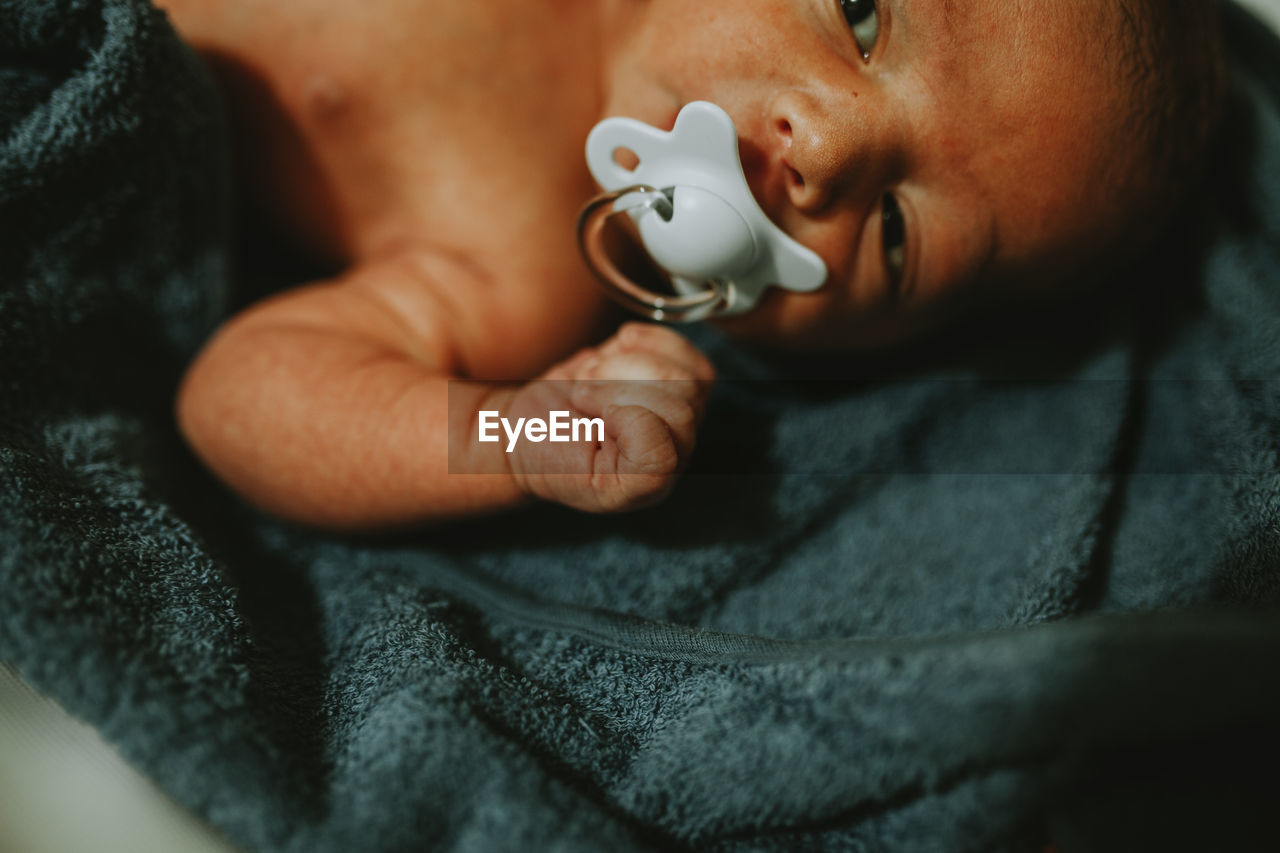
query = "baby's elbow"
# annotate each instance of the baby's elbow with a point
(194, 408)
(204, 406)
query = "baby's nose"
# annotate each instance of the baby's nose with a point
(827, 147)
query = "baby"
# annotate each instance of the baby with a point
(943, 157)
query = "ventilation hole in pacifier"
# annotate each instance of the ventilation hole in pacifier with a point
(626, 158)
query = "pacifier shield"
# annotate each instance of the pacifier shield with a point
(713, 232)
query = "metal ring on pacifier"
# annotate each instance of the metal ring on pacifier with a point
(631, 294)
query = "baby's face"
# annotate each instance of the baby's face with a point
(931, 151)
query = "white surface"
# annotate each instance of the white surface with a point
(64, 790)
(1268, 10)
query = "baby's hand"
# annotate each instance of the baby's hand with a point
(650, 386)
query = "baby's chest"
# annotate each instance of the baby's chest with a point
(450, 122)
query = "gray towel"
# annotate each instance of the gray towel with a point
(1015, 590)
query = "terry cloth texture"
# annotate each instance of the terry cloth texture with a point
(1019, 595)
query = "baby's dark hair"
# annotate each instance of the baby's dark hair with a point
(1174, 53)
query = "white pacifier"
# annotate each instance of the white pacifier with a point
(696, 217)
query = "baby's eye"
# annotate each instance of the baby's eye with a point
(864, 21)
(893, 240)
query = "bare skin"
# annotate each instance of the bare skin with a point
(434, 153)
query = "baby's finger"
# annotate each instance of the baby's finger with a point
(644, 444)
(664, 343)
(636, 365)
(678, 404)
(641, 378)
(572, 367)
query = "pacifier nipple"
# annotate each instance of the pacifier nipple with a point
(695, 216)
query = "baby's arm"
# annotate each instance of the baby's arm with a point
(330, 404)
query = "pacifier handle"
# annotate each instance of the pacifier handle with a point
(631, 294)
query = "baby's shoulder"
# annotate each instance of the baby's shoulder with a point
(367, 126)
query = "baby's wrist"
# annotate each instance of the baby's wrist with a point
(487, 452)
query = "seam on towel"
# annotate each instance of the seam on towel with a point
(635, 635)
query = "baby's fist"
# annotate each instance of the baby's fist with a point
(649, 385)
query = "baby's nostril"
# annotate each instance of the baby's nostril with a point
(784, 127)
